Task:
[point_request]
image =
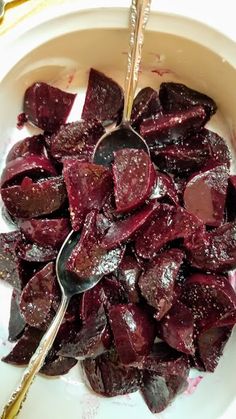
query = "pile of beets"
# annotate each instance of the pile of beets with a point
(159, 231)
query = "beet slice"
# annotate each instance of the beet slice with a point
(89, 259)
(37, 296)
(177, 96)
(158, 281)
(169, 223)
(32, 252)
(9, 263)
(29, 146)
(205, 194)
(123, 230)
(58, 366)
(33, 199)
(16, 322)
(134, 178)
(88, 185)
(46, 232)
(107, 376)
(174, 125)
(76, 139)
(146, 104)
(211, 343)
(104, 98)
(164, 188)
(46, 106)
(177, 328)
(128, 274)
(133, 331)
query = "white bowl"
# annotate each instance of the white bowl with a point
(61, 51)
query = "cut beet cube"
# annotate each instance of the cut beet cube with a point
(146, 104)
(133, 331)
(76, 139)
(134, 178)
(89, 259)
(211, 343)
(177, 328)
(205, 194)
(128, 274)
(46, 106)
(59, 365)
(88, 186)
(231, 199)
(177, 96)
(155, 392)
(173, 126)
(46, 232)
(32, 252)
(104, 98)
(29, 146)
(164, 188)
(9, 263)
(34, 199)
(16, 322)
(158, 281)
(107, 376)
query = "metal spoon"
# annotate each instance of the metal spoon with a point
(124, 135)
(3, 4)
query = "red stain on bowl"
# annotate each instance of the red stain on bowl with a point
(162, 71)
(192, 384)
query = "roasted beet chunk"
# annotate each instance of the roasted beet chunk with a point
(158, 281)
(16, 321)
(134, 178)
(88, 185)
(9, 263)
(31, 252)
(107, 376)
(59, 365)
(155, 392)
(128, 274)
(89, 259)
(219, 151)
(46, 232)
(164, 188)
(176, 97)
(33, 199)
(46, 106)
(231, 199)
(146, 104)
(133, 331)
(76, 139)
(104, 98)
(29, 146)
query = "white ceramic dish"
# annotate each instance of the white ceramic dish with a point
(60, 51)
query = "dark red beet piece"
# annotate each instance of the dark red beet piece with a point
(133, 331)
(21, 120)
(37, 296)
(218, 149)
(88, 258)
(58, 366)
(32, 252)
(164, 188)
(76, 139)
(104, 98)
(46, 232)
(205, 194)
(177, 96)
(134, 178)
(174, 125)
(155, 392)
(16, 322)
(211, 343)
(9, 263)
(107, 376)
(231, 199)
(88, 185)
(29, 146)
(158, 281)
(34, 199)
(146, 104)
(177, 328)
(46, 106)
(128, 274)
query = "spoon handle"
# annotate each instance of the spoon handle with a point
(12, 408)
(139, 14)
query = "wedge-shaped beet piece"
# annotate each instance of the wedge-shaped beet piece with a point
(88, 185)
(211, 343)
(46, 106)
(134, 178)
(164, 188)
(133, 331)
(123, 230)
(146, 104)
(231, 199)
(37, 296)
(46, 232)
(9, 263)
(89, 259)
(128, 274)
(16, 321)
(107, 376)
(169, 223)
(158, 281)
(76, 139)
(177, 328)
(155, 392)
(177, 96)
(104, 98)
(25, 347)
(205, 194)
(33, 199)
(29, 146)
(174, 125)
(31, 252)
(58, 366)
(219, 151)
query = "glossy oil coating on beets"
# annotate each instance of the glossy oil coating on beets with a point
(146, 104)
(16, 321)
(46, 232)
(32, 252)
(9, 263)
(164, 188)
(46, 106)
(29, 146)
(128, 274)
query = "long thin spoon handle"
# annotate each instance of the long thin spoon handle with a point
(139, 14)
(17, 398)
